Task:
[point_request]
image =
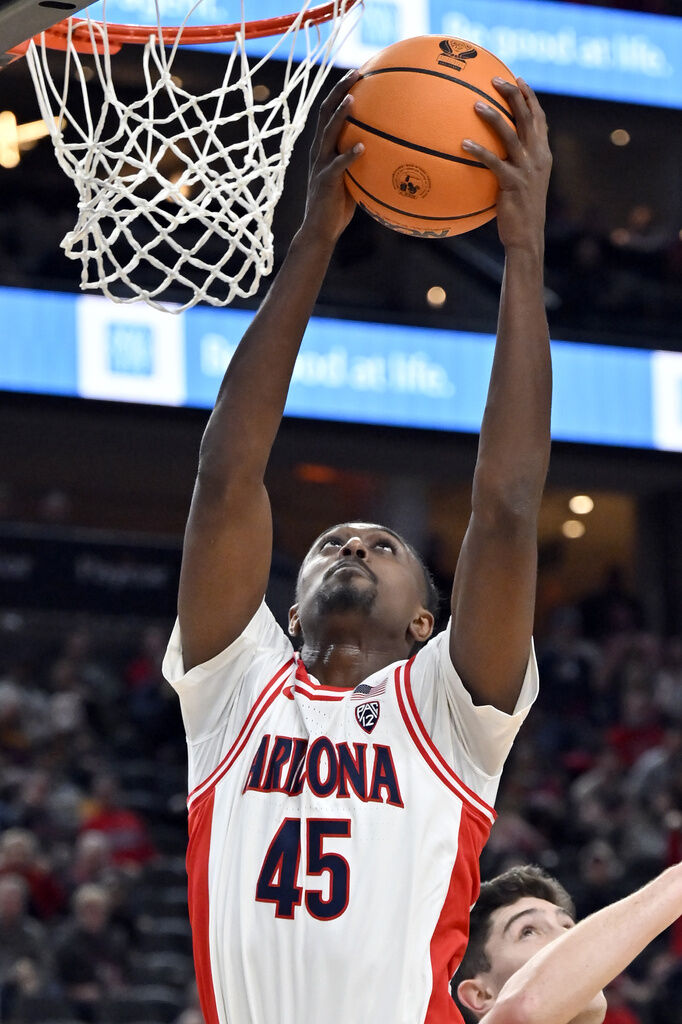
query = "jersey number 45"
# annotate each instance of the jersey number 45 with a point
(278, 878)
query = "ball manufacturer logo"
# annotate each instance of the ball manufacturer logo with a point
(416, 232)
(454, 53)
(411, 181)
(367, 715)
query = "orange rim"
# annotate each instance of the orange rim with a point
(57, 36)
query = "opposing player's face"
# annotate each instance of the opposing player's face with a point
(517, 933)
(360, 568)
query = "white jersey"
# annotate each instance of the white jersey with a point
(334, 835)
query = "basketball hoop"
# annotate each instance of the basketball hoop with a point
(177, 189)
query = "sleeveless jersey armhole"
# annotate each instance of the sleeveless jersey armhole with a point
(268, 694)
(428, 750)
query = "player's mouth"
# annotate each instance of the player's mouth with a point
(364, 570)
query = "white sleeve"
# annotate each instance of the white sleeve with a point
(474, 739)
(209, 691)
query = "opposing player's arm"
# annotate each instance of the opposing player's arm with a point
(493, 596)
(228, 539)
(559, 982)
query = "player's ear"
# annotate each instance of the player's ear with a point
(421, 626)
(476, 995)
(294, 621)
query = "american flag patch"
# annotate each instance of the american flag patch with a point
(363, 691)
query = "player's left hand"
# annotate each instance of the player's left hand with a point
(524, 175)
(329, 205)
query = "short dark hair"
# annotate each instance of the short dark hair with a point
(503, 891)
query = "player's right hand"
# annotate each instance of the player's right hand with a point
(329, 206)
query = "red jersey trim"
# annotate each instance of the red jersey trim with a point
(254, 715)
(451, 934)
(198, 849)
(296, 687)
(312, 689)
(428, 749)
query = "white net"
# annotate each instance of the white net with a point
(177, 191)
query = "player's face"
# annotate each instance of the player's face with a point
(360, 568)
(518, 931)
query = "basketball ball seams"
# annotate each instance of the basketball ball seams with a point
(416, 216)
(412, 123)
(448, 78)
(413, 145)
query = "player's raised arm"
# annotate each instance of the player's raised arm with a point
(563, 980)
(228, 540)
(493, 594)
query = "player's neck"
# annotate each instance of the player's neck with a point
(344, 661)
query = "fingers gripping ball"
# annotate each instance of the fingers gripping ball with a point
(412, 107)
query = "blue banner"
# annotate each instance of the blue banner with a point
(348, 371)
(572, 49)
(564, 48)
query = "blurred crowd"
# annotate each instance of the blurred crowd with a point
(93, 902)
(93, 918)
(593, 788)
(614, 279)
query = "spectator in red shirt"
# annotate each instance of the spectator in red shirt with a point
(129, 840)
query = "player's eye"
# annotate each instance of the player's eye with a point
(386, 544)
(334, 542)
(527, 929)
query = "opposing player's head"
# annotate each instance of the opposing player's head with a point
(516, 915)
(357, 572)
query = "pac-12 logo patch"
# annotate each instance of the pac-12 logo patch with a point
(367, 715)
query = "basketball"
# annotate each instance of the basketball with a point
(412, 107)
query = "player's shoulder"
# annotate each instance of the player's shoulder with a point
(430, 654)
(261, 641)
(263, 630)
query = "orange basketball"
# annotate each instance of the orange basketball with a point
(413, 106)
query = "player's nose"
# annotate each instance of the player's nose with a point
(354, 546)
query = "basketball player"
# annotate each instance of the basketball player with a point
(528, 962)
(340, 797)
